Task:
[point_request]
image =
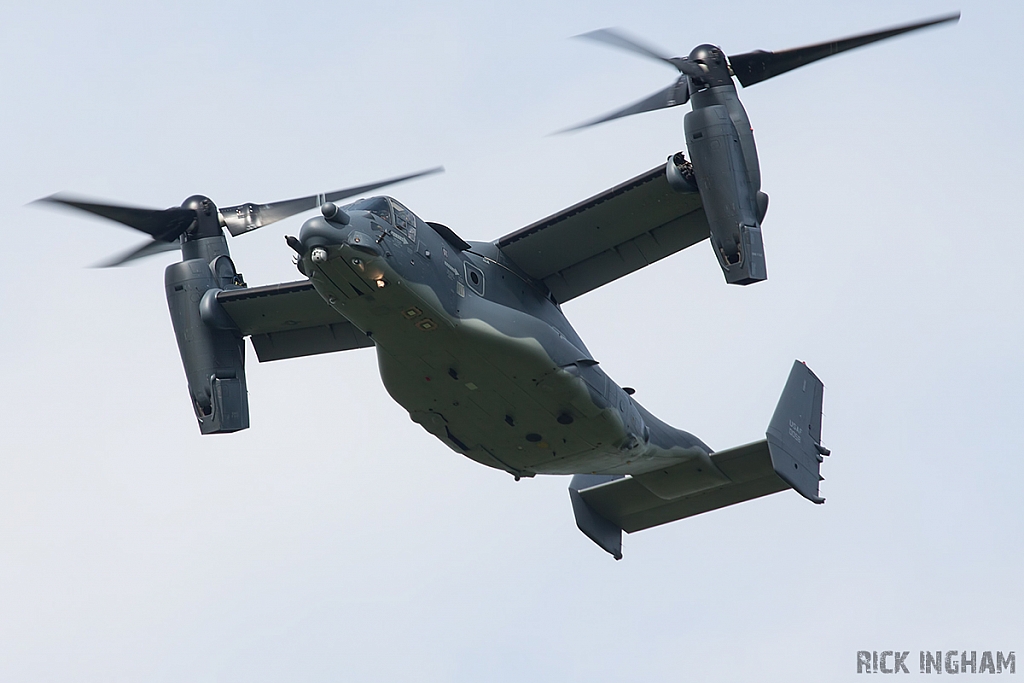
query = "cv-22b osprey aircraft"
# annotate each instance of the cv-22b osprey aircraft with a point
(470, 336)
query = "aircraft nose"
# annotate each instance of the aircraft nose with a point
(319, 232)
(363, 242)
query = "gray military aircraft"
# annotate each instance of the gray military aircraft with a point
(470, 336)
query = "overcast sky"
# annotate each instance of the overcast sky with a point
(337, 540)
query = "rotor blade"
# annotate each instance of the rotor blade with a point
(164, 225)
(618, 39)
(147, 249)
(610, 36)
(247, 217)
(757, 66)
(676, 94)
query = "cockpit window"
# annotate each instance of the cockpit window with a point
(376, 205)
(404, 218)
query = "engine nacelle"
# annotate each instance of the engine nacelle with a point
(214, 358)
(731, 203)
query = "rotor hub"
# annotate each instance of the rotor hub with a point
(207, 219)
(712, 60)
(707, 54)
(202, 205)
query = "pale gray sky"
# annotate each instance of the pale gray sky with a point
(335, 539)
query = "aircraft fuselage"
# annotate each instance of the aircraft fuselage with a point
(480, 354)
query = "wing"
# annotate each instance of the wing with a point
(289, 320)
(609, 235)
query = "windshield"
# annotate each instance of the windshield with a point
(375, 205)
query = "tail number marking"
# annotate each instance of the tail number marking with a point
(795, 431)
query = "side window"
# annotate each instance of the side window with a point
(475, 278)
(404, 218)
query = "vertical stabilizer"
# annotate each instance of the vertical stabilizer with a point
(794, 434)
(598, 529)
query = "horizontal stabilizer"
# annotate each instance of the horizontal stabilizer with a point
(632, 506)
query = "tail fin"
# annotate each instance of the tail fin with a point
(794, 434)
(605, 534)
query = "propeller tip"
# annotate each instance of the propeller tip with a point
(571, 129)
(54, 198)
(591, 34)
